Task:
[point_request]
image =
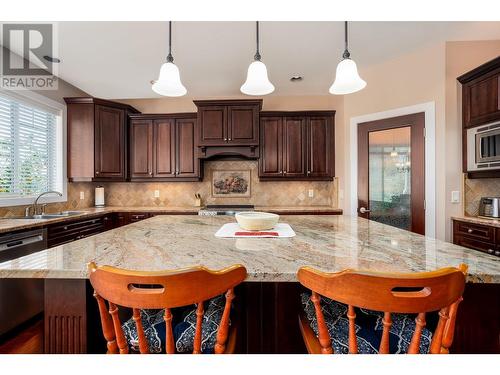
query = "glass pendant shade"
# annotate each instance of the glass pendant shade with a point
(257, 82)
(347, 79)
(169, 82)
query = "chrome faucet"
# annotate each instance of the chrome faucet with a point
(35, 204)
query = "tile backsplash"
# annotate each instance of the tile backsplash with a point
(477, 188)
(263, 193)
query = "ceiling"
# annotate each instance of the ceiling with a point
(119, 59)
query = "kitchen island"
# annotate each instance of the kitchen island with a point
(269, 300)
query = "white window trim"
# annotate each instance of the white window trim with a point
(429, 109)
(34, 98)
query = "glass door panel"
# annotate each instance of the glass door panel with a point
(389, 176)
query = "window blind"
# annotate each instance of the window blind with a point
(28, 160)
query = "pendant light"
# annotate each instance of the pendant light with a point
(347, 79)
(394, 153)
(169, 82)
(257, 82)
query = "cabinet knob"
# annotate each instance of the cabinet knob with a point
(469, 230)
(65, 228)
(96, 172)
(230, 139)
(150, 173)
(284, 172)
(491, 251)
(225, 139)
(497, 253)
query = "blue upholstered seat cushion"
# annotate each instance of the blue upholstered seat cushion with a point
(369, 327)
(183, 326)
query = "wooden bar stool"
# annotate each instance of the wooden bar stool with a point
(155, 299)
(369, 312)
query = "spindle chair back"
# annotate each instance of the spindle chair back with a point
(166, 290)
(414, 293)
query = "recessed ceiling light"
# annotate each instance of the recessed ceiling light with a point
(296, 78)
(52, 59)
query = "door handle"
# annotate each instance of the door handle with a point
(363, 210)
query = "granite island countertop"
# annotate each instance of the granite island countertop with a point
(329, 243)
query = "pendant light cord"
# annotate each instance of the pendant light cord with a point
(346, 54)
(170, 58)
(257, 54)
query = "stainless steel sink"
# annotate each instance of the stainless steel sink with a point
(48, 216)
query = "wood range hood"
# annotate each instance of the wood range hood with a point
(228, 129)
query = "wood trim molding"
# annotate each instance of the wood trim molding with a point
(92, 100)
(311, 113)
(480, 71)
(211, 102)
(159, 116)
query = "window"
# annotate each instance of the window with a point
(30, 150)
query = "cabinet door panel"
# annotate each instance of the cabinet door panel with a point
(187, 163)
(294, 141)
(164, 154)
(271, 159)
(320, 147)
(109, 142)
(213, 125)
(482, 101)
(141, 149)
(243, 125)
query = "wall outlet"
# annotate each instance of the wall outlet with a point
(455, 196)
(157, 193)
(82, 195)
(311, 193)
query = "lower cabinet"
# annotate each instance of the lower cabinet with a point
(475, 236)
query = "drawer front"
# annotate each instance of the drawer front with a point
(66, 232)
(474, 231)
(138, 216)
(471, 243)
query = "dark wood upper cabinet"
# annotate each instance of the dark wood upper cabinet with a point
(97, 139)
(480, 106)
(297, 145)
(271, 157)
(481, 94)
(321, 142)
(228, 123)
(243, 125)
(141, 152)
(294, 146)
(187, 164)
(213, 125)
(164, 149)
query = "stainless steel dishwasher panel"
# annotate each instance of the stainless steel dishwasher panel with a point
(20, 299)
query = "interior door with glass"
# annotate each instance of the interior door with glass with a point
(391, 171)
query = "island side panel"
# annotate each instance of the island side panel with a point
(65, 321)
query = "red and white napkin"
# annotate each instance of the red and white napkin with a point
(233, 230)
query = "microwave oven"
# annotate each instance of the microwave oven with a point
(483, 147)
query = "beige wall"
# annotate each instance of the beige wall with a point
(460, 58)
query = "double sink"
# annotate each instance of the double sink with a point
(48, 216)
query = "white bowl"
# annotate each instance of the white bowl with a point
(253, 220)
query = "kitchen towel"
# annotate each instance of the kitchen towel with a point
(233, 230)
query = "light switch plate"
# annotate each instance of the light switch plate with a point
(157, 193)
(455, 196)
(82, 195)
(311, 193)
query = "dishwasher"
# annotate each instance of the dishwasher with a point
(20, 299)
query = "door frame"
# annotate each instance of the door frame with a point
(429, 109)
